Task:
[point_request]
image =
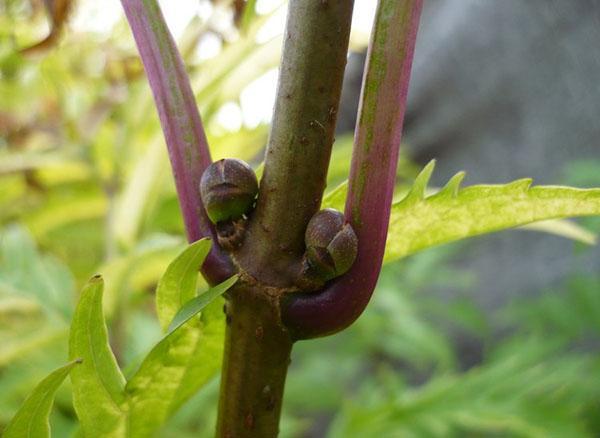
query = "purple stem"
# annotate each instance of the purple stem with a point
(372, 175)
(180, 120)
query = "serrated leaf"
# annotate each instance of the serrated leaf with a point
(453, 185)
(180, 364)
(418, 222)
(178, 284)
(336, 198)
(418, 191)
(31, 420)
(528, 391)
(98, 384)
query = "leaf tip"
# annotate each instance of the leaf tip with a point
(522, 185)
(452, 188)
(96, 279)
(417, 192)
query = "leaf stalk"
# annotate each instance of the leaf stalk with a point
(372, 174)
(181, 123)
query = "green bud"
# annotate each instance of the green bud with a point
(331, 244)
(228, 189)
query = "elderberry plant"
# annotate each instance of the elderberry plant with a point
(290, 265)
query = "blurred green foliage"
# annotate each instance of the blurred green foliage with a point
(85, 188)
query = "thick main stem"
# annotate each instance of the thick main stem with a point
(297, 157)
(256, 358)
(258, 346)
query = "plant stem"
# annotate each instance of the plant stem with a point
(257, 355)
(180, 120)
(372, 176)
(297, 156)
(258, 346)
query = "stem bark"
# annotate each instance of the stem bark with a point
(256, 359)
(302, 134)
(258, 346)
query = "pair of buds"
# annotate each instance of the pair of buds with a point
(229, 188)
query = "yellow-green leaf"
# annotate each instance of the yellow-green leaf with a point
(180, 364)
(178, 284)
(563, 228)
(31, 420)
(336, 198)
(419, 221)
(98, 384)
(559, 227)
(195, 305)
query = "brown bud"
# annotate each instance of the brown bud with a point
(228, 189)
(331, 244)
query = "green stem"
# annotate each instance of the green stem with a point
(297, 156)
(258, 346)
(257, 355)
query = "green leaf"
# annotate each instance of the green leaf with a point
(24, 272)
(563, 228)
(180, 364)
(419, 221)
(336, 198)
(129, 275)
(559, 227)
(98, 384)
(31, 420)
(527, 392)
(178, 284)
(195, 305)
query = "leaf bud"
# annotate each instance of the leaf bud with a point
(228, 189)
(331, 244)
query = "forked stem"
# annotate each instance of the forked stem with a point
(258, 343)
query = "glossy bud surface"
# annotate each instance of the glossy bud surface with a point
(228, 189)
(331, 244)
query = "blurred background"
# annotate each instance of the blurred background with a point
(496, 336)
